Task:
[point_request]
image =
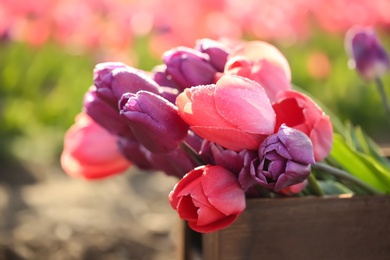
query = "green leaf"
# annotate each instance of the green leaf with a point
(368, 146)
(332, 188)
(360, 165)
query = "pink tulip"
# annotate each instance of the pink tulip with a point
(90, 152)
(263, 63)
(209, 198)
(298, 111)
(234, 113)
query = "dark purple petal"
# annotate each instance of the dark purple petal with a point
(366, 53)
(217, 52)
(284, 159)
(189, 67)
(134, 152)
(295, 173)
(104, 114)
(162, 77)
(297, 144)
(154, 121)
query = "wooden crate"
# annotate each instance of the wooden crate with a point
(301, 228)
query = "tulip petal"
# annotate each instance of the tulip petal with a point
(245, 104)
(150, 117)
(259, 50)
(229, 138)
(271, 77)
(90, 151)
(186, 208)
(213, 226)
(288, 112)
(223, 191)
(180, 188)
(295, 173)
(207, 215)
(322, 138)
(298, 144)
(197, 107)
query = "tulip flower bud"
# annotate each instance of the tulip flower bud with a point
(189, 67)
(154, 121)
(112, 80)
(175, 163)
(217, 52)
(90, 152)
(104, 114)
(101, 70)
(209, 198)
(162, 78)
(284, 159)
(133, 151)
(229, 159)
(366, 53)
(168, 87)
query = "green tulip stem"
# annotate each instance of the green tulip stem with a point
(192, 153)
(346, 176)
(314, 184)
(383, 95)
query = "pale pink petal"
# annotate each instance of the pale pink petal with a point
(245, 104)
(259, 50)
(197, 107)
(322, 138)
(272, 78)
(90, 151)
(223, 191)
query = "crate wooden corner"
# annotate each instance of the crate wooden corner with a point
(300, 228)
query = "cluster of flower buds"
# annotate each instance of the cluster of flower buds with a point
(223, 118)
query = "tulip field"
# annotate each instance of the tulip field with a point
(50, 53)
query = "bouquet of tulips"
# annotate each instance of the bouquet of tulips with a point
(224, 118)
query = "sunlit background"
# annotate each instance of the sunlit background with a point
(48, 49)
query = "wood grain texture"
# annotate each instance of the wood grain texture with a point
(305, 228)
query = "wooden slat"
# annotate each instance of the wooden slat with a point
(305, 228)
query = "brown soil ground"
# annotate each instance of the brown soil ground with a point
(47, 215)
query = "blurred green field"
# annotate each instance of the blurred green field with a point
(41, 90)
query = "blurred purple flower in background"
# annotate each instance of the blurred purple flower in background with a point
(367, 54)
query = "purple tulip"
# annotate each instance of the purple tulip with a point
(104, 114)
(189, 67)
(101, 70)
(133, 151)
(283, 160)
(217, 52)
(162, 78)
(113, 79)
(366, 53)
(154, 121)
(175, 163)
(215, 154)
